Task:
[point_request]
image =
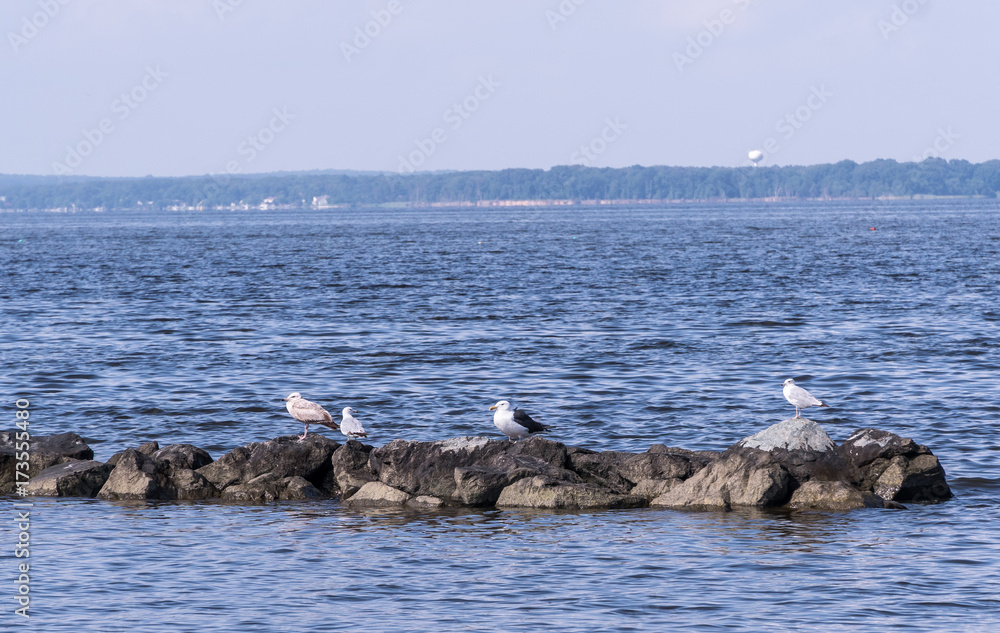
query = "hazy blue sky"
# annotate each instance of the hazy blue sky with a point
(176, 87)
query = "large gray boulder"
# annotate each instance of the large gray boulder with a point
(804, 449)
(428, 468)
(741, 477)
(282, 457)
(793, 434)
(78, 478)
(350, 469)
(894, 467)
(43, 451)
(139, 476)
(547, 493)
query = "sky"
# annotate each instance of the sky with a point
(191, 87)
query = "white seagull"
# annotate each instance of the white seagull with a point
(308, 413)
(799, 397)
(351, 426)
(515, 423)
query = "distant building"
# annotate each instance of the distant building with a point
(321, 202)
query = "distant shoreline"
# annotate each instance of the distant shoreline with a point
(560, 186)
(493, 204)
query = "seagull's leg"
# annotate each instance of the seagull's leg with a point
(798, 412)
(304, 433)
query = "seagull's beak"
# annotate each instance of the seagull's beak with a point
(493, 407)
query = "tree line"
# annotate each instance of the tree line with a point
(846, 179)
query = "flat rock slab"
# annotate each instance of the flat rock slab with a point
(376, 494)
(833, 495)
(546, 493)
(78, 478)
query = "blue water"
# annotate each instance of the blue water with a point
(620, 327)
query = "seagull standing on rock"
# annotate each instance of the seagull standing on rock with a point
(799, 397)
(515, 423)
(350, 425)
(308, 413)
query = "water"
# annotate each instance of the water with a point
(621, 327)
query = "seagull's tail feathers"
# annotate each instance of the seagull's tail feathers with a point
(823, 404)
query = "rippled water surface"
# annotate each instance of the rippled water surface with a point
(620, 327)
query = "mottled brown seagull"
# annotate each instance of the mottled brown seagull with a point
(308, 413)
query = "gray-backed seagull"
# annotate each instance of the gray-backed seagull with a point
(799, 397)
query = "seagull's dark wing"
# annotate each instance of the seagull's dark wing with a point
(525, 420)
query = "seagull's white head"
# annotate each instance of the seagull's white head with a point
(293, 396)
(788, 382)
(503, 405)
(348, 411)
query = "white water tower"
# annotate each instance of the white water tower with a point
(755, 156)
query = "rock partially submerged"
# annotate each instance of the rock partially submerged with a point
(792, 464)
(42, 452)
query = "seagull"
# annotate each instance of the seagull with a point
(308, 413)
(799, 397)
(351, 426)
(515, 423)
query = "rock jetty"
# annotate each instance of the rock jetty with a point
(793, 464)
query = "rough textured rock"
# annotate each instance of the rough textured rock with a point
(894, 467)
(376, 494)
(741, 477)
(651, 488)
(793, 434)
(283, 457)
(350, 469)
(182, 456)
(801, 468)
(70, 479)
(864, 446)
(919, 479)
(138, 476)
(270, 487)
(620, 472)
(42, 451)
(428, 468)
(480, 485)
(189, 485)
(544, 492)
(833, 495)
